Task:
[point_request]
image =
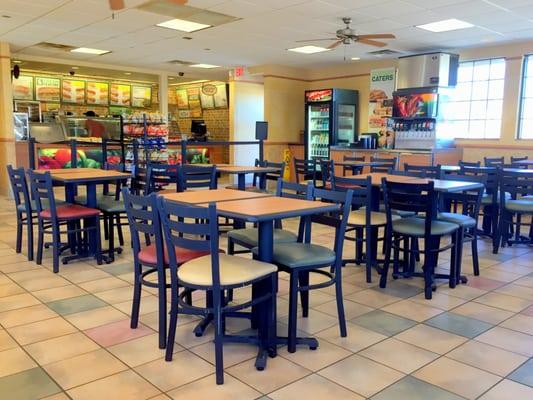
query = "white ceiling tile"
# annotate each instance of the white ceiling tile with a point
(240, 8)
(316, 9)
(429, 4)
(389, 9)
(465, 9)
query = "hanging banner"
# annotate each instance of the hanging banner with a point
(382, 84)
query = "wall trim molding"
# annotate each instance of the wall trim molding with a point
(495, 146)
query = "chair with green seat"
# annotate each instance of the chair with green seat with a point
(520, 187)
(248, 237)
(301, 258)
(469, 202)
(419, 198)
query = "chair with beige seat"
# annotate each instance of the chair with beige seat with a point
(215, 273)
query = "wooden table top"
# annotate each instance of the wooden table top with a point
(376, 177)
(209, 196)
(524, 162)
(440, 185)
(268, 208)
(55, 171)
(240, 169)
(88, 175)
(361, 163)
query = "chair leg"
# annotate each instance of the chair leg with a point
(219, 332)
(18, 246)
(119, 230)
(386, 262)
(29, 224)
(231, 251)
(475, 256)
(40, 243)
(293, 303)
(136, 304)
(111, 232)
(162, 296)
(429, 268)
(105, 220)
(396, 260)
(369, 253)
(340, 302)
(56, 244)
(454, 260)
(98, 242)
(173, 324)
(358, 245)
(303, 278)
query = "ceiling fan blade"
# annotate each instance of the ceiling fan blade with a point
(332, 46)
(377, 36)
(315, 40)
(371, 42)
(116, 5)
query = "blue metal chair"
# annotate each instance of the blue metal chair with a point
(305, 170)
(162, 177)
(423, 171)
(494, 161)
(197, 177)
(214, 273)
(302, 258)
(389, 164)
(51, 217)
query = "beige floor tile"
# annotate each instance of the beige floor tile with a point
(316, 322)
(124, 385)
(507, 339)
(457, 377)
(61, 348)
(489, 358)
(483, 312)
(97, 317)
(19, 266)
(118, 295)
(84, 368)
(59, 396)
(9, 289)
(507, 389)
(439, 300)
(60, 293)
(6, 341)
(26, 315)
(38, 280)
(357, 339)
(361, 375)
(184, 368)
(17, 301)
(14, 360)
(41, 330)
(463, 291)
(234, 353)
(149, 304)
(101, 285)
(503, 301)
(351, 309)
(432, 339)
(207, 389)
(526, 281)
(516, 291)
(372, 298)
(411, 310)
(84, 273)
(399, 355)
(325, 355)
(521, 323)
(140, 351)
(279, 372)
(314, 387)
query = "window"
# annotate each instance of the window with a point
(525, 124)
(474, 108)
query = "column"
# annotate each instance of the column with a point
(163, 94)
(7, 137)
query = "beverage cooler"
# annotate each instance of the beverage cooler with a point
(330, 120)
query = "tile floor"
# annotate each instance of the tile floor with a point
(67, 336)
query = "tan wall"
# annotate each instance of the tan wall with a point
(7, 139)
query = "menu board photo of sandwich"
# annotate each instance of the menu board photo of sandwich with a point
(23, 88)
(141, 96)
(220, 97)
(73, 91)
(182, 99)
(48, 89)
(98, 93)
(120, 95)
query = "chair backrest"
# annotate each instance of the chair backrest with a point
(347, 168)
(196, 177)
(423, 171)
(518, 184)
(387, 168)
(491, 174)
(19, 187)
(143, 220)
(476, 164)
(493, 161)
(161, 176)
(294, 190)
(118, 183)
(327, 168)
(305, 170)
(274, 176)
(192, 228)
(361, 190)
(469, 200)
(42, 188)
(520, 158)
(338, 220)
(415, 197)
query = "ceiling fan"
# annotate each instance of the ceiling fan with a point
(117, 5)
(347, 35)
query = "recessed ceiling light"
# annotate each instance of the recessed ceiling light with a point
(445, 25)
(207, 66)
(127, 73)
(75, 67)
(183, 25)
(356, 58)
(87, 50)
(308, 49)
(170, 78)
(17, 62)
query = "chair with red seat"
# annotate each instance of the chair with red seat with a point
(51, 217)
(150, 256)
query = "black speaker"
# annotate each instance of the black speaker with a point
(261, 130)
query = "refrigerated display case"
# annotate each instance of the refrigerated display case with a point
(331, 120)
(21, 126)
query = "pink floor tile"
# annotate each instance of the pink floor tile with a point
(116, 332)
(528, 311)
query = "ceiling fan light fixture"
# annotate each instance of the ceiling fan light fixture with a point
(308, 49)
(445, 25)
(183, 25)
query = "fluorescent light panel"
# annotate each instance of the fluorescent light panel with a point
(183, 25)
(87, 50)
(308, 49)
(356, 58)
(445, 25)
(206, 66)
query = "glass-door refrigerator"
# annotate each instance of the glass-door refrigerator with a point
(330, 120)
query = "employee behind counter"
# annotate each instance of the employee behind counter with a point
(95, 128)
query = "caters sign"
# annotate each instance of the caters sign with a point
(319, 95)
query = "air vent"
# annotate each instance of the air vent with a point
(54, 46)
(385, 52)
(181, 62)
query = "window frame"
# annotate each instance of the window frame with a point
(521, 97)
(473, 61)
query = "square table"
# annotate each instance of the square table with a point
(241, 172)
(216, 195)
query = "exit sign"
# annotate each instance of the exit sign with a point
(239, 71)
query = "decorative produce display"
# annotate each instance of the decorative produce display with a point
(53, 158)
